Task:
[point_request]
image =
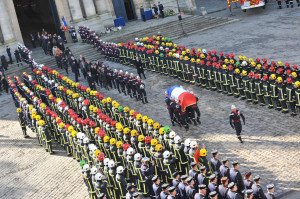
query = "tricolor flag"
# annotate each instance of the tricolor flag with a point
(65, 24)
(185, 98)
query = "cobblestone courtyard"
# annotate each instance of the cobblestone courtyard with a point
(271, 148)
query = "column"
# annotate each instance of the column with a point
(101, 6)
(5, 23)
(89, 7)
(75, 9)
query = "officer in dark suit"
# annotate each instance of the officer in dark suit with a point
(193, 173)
(156, 187)
(9, 54)
(18, 58)
(224, 170)
(249, 194)
(91, 81)
(172, 192)
(270, 194)
(213, 195)
(232, 193)
(182, 185)
(202, 177)
(215, 164)
(147, 171)
(169, 107)
(190, 190)
(257, 189)
(74, 66)
(223, 188)
(165, 192)
(236, 177)
(235, 122)
(213, 184)
(176, 181)
(247, 180)
(202, 192)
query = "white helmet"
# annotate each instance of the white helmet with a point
(120, 169)
(94, 170)
(126, 73)
(177, 139)
(66, 108)
(86, 167)
(111, 163)
(172, 134)
(177, 55)
(116, 70)
(204, 51)
(244, 63)
(136, 39)
(166, 154)
(130, 151)
(80, 135)
(187, 142)
(80, 99)
(131, 74)
(193, 144)
(137, 157)
(161, 48)
(86, 140)
(142, 86)
(121, 71)
(98, 176)
(105, 161)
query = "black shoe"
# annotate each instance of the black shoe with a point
(26, 136)
(195, 123)
(186, 127)
(173, 123)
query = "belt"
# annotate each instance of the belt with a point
(169, 106)
(236, 120)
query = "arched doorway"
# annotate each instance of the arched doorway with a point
(35, 15)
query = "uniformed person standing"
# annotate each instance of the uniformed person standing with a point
(232, 193)
(235, 122)
(172, 193)
(202, 192)
(270, 194)
(190, 190)
(22, 122)
(164, 194)
(156, 187)
(223, 188)
(236, 177)
(257, 189)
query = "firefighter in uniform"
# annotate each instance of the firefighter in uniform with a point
(235, 122)
(22, 122)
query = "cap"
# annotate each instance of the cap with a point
(212, 194)
(135, 195)
(164, 186)
(202, 186)
(249, 192)
(214, 152)
(270, 186)
(183, 177)
(189, 179)
(233, 107)
(154, 178)
(193, 164)
(202, 168)
(256, 178)
(175, 174)
(231, 185)
(224, 179)
(224, 161)
(145, 159)
(235, 163)
(212, 177)
(171, 189)
(130, 186)
(247, 174)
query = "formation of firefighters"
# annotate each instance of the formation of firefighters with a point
(275, 85)
(119, 149)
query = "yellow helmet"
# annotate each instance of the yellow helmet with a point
(108, 100)
(161, 130)
(244, 58)
(61, 88)
(74, 134)
(145, 118)
(154, 142)
(170, 54)
(297, 84)
(202, 56)
(156, 125)
(131, 112)
(186, 58)
(97, 152)
(224, 66)
(118, 124)
(156, 52)
(280, 63)
(41, 122)
(106, 139)
(120, 128)
(231, 61)
(126, 109)
(139, 116)
(258, 66)
(203, 152)
(175, 45)
(50, 96)
(183, 53)
(117, 105)
(181, 57)
(96, 129)
(91, 107)
(114, 102)
(61, 125)
(112, 141)
(150, 122)
(250, 60)
(33, 116)
(70, 128)
(226, 61)
(240, 57)
(253, 63)
(19, 110)
(198, 61)
(104, 101)
(88, 90)
(294, 74)
(38, 117)
(126, 130)
(244, 72)
(193, 60)
(119, 144)
(237, 71)
(133, 132)
(95, 109)
(188, 51)
(158, 147)
(141, 138)
(279, 79)
(273, 76)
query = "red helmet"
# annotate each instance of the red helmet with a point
(58, 121)
(251, 74)
(156, 47)
(48, 112)
(87, 120)
(99, 111)
(147, 139)
(75, 117)
(257, 60)
(221, 54)
(273, 63)
(79, 120)
(113, 123)
(256, 76)
(265, 78)
(101, 96)
(208, 63)
(214, 52)
(86, 102)
(209, 57)
(84, 122)
(288, 72)
(192, 54)
(295, 67)
(167, 50)
(92, 124)
(265, 60)
(108, 120)
(289, 80)
(198, 54)
(280, 71)
(101, 157)
(183, 47)
(67, 126)
(219, 66)
(266, 66)
(79, 86)
(135, 114)
(214, 59)
(101, 133)
(214, 64)
(209, 52)
(202, 62)
(193, 49)
(221, 61)
(287, 64)
(126, 146)
(231, 56)
(230, 67)
(272, 69)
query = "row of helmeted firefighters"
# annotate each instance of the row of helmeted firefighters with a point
(275, 85)
(116, 145)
